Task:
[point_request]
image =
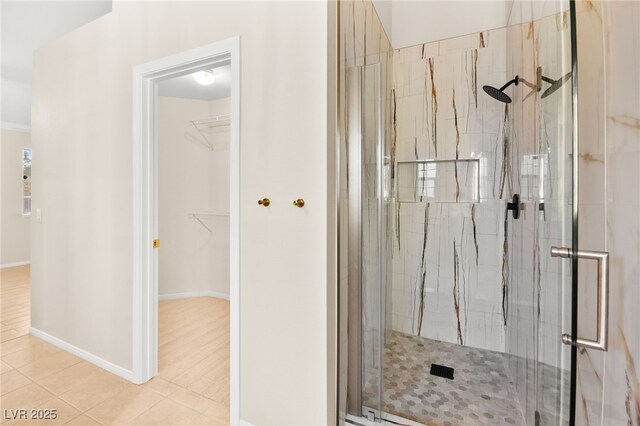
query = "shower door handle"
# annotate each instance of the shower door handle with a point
(602, 340)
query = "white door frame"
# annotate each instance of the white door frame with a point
(145, 220)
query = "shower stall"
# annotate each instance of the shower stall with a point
(454, 309)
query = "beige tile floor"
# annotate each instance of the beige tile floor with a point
(192, 387)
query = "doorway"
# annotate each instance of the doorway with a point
(186, 186)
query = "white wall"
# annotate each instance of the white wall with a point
(417, 22)
(191, 179)
(25, 26)
(82, 133)
(16, 102)
(15, 228)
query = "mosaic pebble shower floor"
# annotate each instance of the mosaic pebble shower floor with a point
(481, 392)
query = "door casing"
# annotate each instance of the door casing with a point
(145, 205)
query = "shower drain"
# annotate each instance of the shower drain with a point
(442, 371)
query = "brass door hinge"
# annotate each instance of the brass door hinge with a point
(156, 243)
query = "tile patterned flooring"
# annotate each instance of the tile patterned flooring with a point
(192, 387)
(481, 393)
(552, 399)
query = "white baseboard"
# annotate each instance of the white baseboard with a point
(219, 295)
(244, 423)
(13, 264)
(173, 296)
(81, 353)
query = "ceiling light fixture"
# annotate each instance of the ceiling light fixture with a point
(204, 78)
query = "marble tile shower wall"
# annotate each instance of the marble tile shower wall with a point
(609, 155)
(592, 170)
(449, 275)
(621, 218)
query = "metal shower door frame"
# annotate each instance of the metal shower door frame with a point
(355, 99)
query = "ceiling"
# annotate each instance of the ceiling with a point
(24, 27)
(408, 23)
(187, 87)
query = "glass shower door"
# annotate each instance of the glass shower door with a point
(555, 224)
(373, 284)
(366, 241)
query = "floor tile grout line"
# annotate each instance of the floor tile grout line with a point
(55, 372)
(210, 345)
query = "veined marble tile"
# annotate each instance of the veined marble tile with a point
(450, 253)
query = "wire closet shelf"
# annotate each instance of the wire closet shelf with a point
(206, 128)
(202, 216)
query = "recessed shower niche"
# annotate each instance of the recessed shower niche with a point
(440, 181)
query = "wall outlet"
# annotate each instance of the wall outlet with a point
(38, 215)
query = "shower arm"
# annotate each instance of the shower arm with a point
(517, 80)
(509, 83)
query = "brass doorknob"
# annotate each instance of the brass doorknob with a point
(299, 203)
(264, 202)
